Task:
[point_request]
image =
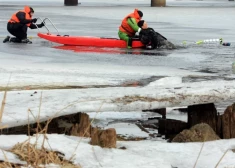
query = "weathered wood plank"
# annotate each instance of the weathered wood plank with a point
(158, 3)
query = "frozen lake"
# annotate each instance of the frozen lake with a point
(102, 78)
(44, 64)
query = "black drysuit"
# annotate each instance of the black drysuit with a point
(19, 30)
(151, 38)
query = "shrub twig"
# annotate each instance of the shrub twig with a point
(4, 99)
(199, 154)
(221, 158)
(72, 156)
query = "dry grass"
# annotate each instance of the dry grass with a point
(28, 152)
(9, 165)
(35, 157)
(6, 165)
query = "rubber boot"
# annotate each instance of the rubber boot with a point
(129, 43)
(15, 40)
(26, 41)
(7, 39)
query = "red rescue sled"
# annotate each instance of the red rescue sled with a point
(89, 41)
(85, 40)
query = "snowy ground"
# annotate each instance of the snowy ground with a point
(189, 75)
(146, 154)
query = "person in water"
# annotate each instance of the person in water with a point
(152, 39)
(18, 25)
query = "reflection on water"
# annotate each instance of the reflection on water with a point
(82, 49)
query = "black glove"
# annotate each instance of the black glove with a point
(34, 20)
(41, 25)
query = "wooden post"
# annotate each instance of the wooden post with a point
(158, 3)
(171, 127)
(203, 113)
(104, 138)
(82, 126)
(70, 2)
(228, 122)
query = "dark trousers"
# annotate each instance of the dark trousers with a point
(18, 30)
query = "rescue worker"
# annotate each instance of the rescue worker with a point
(151, 38)
(18, 25)
(129, 27)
